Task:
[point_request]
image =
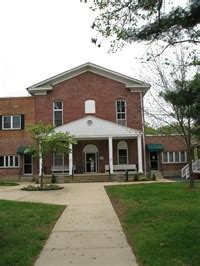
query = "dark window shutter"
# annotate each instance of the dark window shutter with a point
(22, 121)
(0, 122)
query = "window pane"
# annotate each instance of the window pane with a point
(58, 158)
(16, 121)
(121, 106)
(16, 161)
(1, 161)
(58, 118)
(121, 122)
(165, 157)
(11, 160)
(57, 105)
(122, 160)
(6, 161)
(121, 116)
(170, 156)
(122, 153)
(7, 121)
(176, 157)
(183, 159)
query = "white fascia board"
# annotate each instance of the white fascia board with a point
(94, 69)
(98, 128)
(40, 90)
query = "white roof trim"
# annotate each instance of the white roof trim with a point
(98, 129)
(128, 81)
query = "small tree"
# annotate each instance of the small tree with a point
(184, 101)
(46, 141)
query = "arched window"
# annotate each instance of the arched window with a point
(122, 152)
(90, 107)
(121, 117)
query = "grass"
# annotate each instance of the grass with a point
(5, 183)
(24, 228)
(161, 221)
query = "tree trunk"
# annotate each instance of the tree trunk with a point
(190, 167)
(42, 175)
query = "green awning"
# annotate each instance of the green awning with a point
(155, 147)
(21, 149)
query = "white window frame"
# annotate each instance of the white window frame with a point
(174, 161)
(122, 145)
(125, 119)
(8, 157)
(90, 106)
(11, 122)
(57, 110)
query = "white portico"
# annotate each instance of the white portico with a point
(93, 128)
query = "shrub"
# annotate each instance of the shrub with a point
(153, 178)
(136, 177)
(53, 179)
(44, 188)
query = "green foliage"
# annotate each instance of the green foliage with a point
(161, 221)
(48, 140)
(153, 178)
(129, 21)
(53, 179)
(163, 130)
(45, 187)
(185, 100)
(136, 177)
(5, 183)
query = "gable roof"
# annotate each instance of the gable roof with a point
(47, 85)
(91, 127)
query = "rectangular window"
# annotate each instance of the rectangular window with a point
(58, 113)
(58, 159)
(174, 157)
(121, 112)
(122, 155)
(165, 158)
(9, 161)
(11, 122)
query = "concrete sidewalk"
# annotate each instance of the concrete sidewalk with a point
(88, 232)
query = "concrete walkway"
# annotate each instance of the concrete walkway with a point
(87, 233)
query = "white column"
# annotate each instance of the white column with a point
(110, 145)
(139, 146)
(70, 161)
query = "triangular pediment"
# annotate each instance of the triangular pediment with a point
(47, 85)
(91, 127)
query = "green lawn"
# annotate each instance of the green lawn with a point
(161, 221)
(24, 228)
(5, 183)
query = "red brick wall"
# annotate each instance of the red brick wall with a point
(75, 91)
(10, 140)
(171, 143)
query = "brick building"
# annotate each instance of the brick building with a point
(103, 110)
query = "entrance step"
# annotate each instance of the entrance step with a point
(90, 178)
(157, 174)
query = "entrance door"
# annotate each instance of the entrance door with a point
(154, 160)
(91, 162)
(27, 164)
